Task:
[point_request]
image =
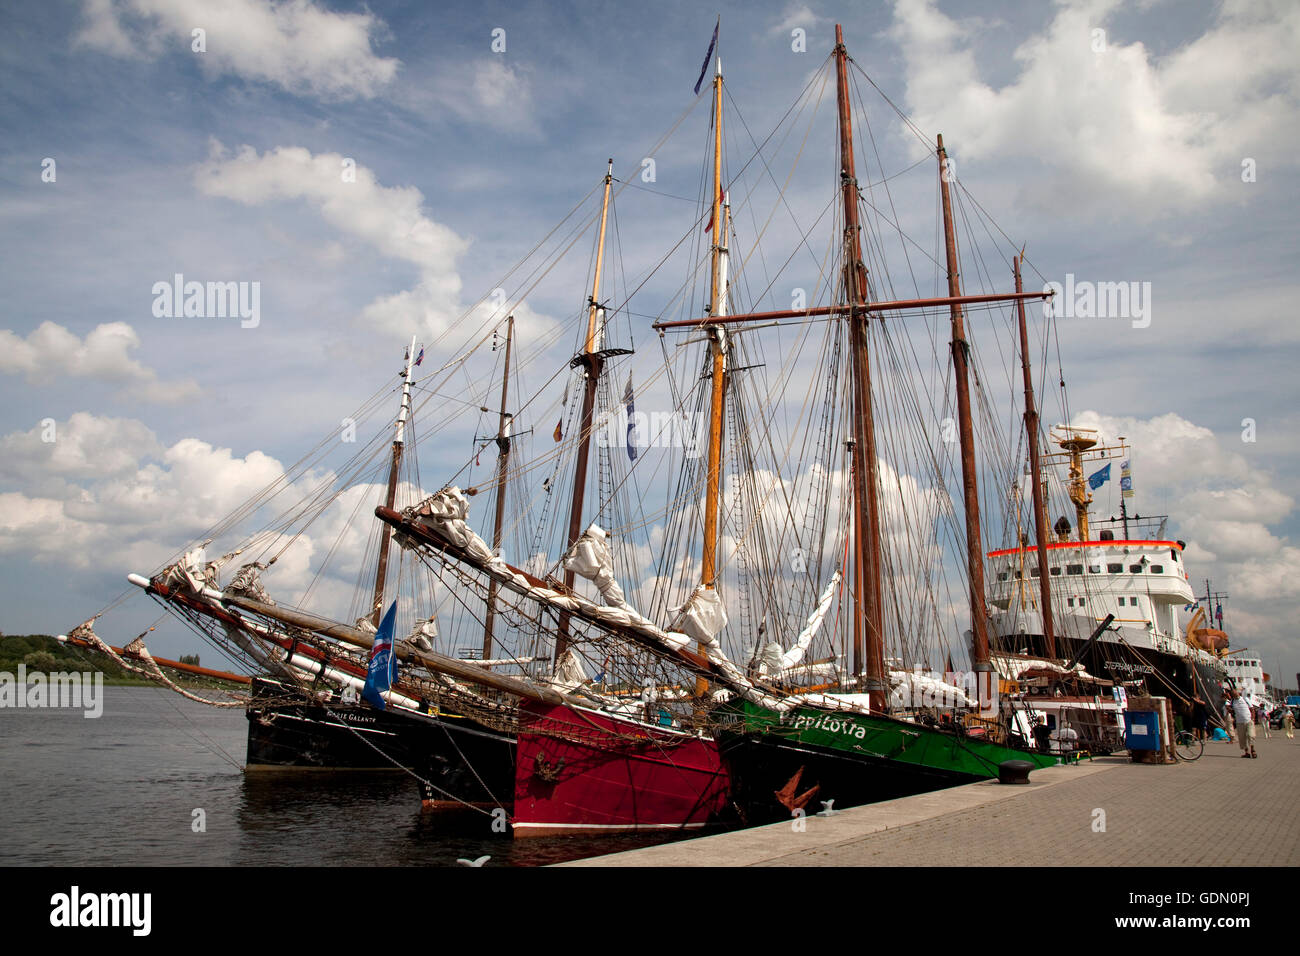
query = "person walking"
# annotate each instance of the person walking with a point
(1200, 717)
(1288, 724)
(1245, 725)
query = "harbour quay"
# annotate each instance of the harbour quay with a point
(1217, 811)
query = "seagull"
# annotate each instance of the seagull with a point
(827, 809)
(479, 862)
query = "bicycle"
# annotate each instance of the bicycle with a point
(1187, 746)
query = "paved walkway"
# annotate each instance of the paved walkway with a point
(1218, 811)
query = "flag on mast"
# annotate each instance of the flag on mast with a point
(632, 441)
(379, 676)
(722, 198)
(1099, 478)
(708, 56)
(1125, 481)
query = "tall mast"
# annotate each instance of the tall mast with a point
(591, 361)
(868, 626)
(717, 353)
(503, 461)
(1035, 474)
(708, 567)
(961, 368)
(399, 441)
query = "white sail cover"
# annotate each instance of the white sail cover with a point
(423, 634)
(569, 672)
(188, 571)
(801, 643)
(590, 558)
(917, 689)
(444, 514)
(703, 617)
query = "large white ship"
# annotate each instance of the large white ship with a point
(1108, 567)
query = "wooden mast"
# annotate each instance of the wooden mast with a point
(961, 369)
(868, 622)
(503, 461)
(591, 361)
(1035, 475)
(717, 352)
(708, 568)
(399, 441)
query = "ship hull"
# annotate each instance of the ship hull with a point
(780, 767)
(1165, 674)
(465, 763)
(587, 772)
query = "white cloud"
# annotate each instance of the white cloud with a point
(796, 15)
(488, 90)
(106, 493)
(85, 446)
(51, 352)
(102, 30)
(1223, 507)
(294, 44)
(390, 218)
(1145, 134)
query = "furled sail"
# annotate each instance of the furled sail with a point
(443, 514)
(795, 654)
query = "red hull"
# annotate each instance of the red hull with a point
(582, 771)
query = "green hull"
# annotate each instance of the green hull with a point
(887, 738)
(818, 756)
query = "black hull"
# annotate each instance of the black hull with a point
(466, 762)
(1165, 675)
(763, 764)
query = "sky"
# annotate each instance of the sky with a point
(376, 168)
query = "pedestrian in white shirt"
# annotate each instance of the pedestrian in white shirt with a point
(1245, 726)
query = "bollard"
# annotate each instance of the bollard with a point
(1014, 771)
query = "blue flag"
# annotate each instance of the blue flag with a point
(1099, 478)
(631, 420)
(379, 677)
(708, 56)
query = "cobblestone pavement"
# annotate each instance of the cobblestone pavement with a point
(1220, 810)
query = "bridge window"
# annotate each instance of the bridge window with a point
(1135, 568)
(1114, 568)
(1074, 569)
(1157, 569)
(1094, 569)
(1003, 575)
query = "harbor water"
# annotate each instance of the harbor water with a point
(158, 780)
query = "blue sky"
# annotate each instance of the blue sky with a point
(1114, 157)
